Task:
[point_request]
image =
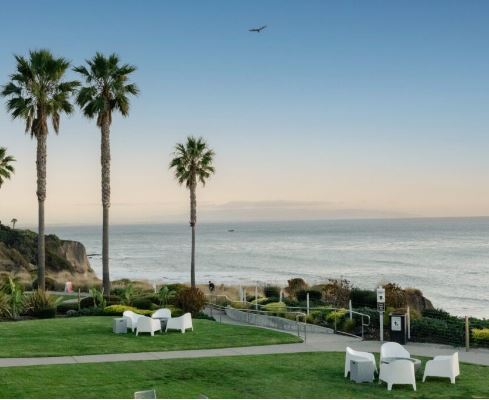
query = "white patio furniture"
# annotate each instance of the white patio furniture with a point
(393, 350)
(162, 313)
(443, 366)
(357, 356)
(131, 319)
(145, 394)
(180, 323)
(147, 324)
(398, 372)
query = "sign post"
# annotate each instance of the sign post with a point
(381, 309)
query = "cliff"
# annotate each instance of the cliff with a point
(65, 259)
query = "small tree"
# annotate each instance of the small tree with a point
(13, 221)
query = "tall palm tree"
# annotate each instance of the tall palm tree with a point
(14, 221)
(192, 163)
(6, 167)
(107, 90)
(36, 93)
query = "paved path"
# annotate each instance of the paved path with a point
(315, 343)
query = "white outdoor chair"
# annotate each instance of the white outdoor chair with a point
(162, 313)
(353, 355)
(393, 350)
(147, 324)
(131, 319)
(180, 323)
(443, 366)
(145, 394)
(398, 372)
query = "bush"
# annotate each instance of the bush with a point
(40, 304)
(363, 298)
(64, 308)
(190, 300)
(394, 296)
(118, 309)
(49, 283)
(337, 292)
(437, 313)
(145, 302)
(337, 315)
(294, 285)
(272, 291)
(4, 306)
(72, 313)
(348, 325)
(480, 334)
(276, 307)
(438, 331)
(314, 295)
(239, 305)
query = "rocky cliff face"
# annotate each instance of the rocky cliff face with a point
(65, 259)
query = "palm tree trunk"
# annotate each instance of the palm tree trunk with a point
(41, 197)
(105, 160)
(193, 221)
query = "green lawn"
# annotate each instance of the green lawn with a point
(311, 375)
(93, 335)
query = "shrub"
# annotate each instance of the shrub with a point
(175, 311)
(190, 300)
(165, 295)
(250, 298)
(64, 308)
(337, 315)
(176, 287)
(145, 302)
(337, 292)
(49, 283)
(394, 296)
(294, 285)
(5, 306)
(276, 307)
(41, 304)
(314, 295)
(118, 309)
(438, 331)
(363, 298)
(239, 305)
(272, 291)
(437, 313)
(480, 336)
(72, 313)
(348, 325)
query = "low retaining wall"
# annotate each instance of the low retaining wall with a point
(269, 321)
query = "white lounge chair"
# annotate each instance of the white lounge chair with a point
(145, 394)
(147, 324)
(443, 366)
(131, 319)
(393, 350)
(180, 323)
(398, 372)
(162, 313)
(353, 355)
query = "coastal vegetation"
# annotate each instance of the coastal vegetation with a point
(36, 93)
(192, 163)
(107, 91)
(303, 375)
(6, 166)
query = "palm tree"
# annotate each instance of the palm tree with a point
(192, 163)
(36, 93)
(6, 167)
(14, 221)
(106, 91)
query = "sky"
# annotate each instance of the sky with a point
(338, 109)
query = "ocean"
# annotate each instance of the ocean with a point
(447, 258)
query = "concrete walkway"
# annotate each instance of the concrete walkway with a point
(315, 342)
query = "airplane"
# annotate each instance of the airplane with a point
(257, 30)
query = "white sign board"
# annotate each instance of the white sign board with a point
(395, 324)
(380, 295)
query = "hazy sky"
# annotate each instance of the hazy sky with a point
(337, 109)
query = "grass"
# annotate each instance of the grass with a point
(93, 335)
(306, 375)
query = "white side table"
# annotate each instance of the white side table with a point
(119, 325)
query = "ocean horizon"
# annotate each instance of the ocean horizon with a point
(446, 258)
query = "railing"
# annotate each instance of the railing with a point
(258, 308)
(298, 316)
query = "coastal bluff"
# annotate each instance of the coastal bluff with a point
(65, 259)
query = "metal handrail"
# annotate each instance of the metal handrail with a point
(257, 307)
